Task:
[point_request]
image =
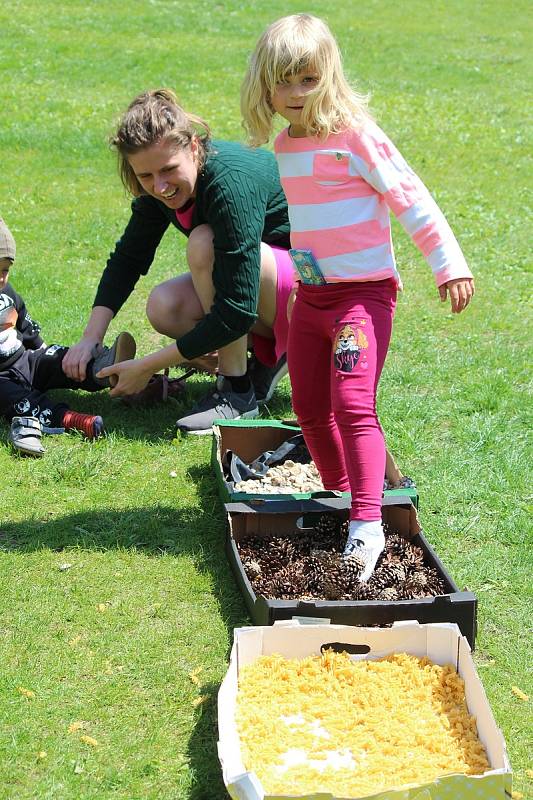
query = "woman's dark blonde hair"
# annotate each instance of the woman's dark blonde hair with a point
(154, 117)
(288, 46)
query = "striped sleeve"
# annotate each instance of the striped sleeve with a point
(380, 163)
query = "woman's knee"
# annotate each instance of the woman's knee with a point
(173, 307)
(159, 306)
(200, 250)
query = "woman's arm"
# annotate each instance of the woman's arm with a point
(78, 356)
(131, 258)
(134, 375)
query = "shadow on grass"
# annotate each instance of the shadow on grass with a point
(149, 424)
(203, 754)
(156, 530)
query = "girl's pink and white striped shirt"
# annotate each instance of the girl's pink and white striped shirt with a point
(339, 193)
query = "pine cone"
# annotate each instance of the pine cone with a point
(424, 583)
(363, 592)
(435, 584)
(313, 569)
(351, 568)
(330, 533)
(287, 583)
(378, 580)
(333, 587)
(389, 593)
(252, 567)
(281, 548)
(331, 582)
(327, 523)
(396, 544)
(394, 573)
(249, 546)
(414, 557)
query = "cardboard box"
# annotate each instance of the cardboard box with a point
(442, 643)
(249, 438)
(249, 519)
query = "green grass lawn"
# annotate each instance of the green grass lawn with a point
(114, 586)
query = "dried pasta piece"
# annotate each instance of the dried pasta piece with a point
(89, 740)
(329, 724)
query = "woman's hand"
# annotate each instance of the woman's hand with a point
(131, 376)
(461, 291)
(78, 356)
(75, 362)
(207, 363)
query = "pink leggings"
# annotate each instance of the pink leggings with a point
(338, 340)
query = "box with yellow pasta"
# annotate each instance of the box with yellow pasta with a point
(331, 712)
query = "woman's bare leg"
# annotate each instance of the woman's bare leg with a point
(200, 257)
(177, 305)
(173, 309)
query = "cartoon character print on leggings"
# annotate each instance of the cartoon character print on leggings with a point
(350, 344)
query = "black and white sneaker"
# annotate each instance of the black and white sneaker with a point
(265, 379)
(222, 403)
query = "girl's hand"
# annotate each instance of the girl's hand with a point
(461, 291)
(75, 362)
(131, 376)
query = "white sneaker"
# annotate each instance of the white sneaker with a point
(25, 435)
(366, 540)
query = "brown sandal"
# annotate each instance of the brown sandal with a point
(158, 389)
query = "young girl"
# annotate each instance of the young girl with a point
(341, 175)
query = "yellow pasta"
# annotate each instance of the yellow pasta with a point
(353, 728)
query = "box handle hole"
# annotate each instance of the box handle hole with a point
(340, 647)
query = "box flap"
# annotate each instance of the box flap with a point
(478, 705)
(437, 641)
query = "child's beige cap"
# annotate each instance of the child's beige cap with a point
(8, 247)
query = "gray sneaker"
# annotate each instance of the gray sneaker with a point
(122, 349)
(25, 436)
(223, 403)
(265, 379)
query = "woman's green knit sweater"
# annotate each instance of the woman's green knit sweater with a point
(239, 195)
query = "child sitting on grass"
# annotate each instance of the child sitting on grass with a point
(29, 368)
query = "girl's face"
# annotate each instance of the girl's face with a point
(290, 95)
(167, 173)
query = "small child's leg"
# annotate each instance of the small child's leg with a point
(19, 398)
(48, 366)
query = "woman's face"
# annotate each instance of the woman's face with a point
(166, 172)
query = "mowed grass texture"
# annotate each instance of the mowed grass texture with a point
(116, 602)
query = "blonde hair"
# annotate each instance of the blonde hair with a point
(150, 118)
(289, 46)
